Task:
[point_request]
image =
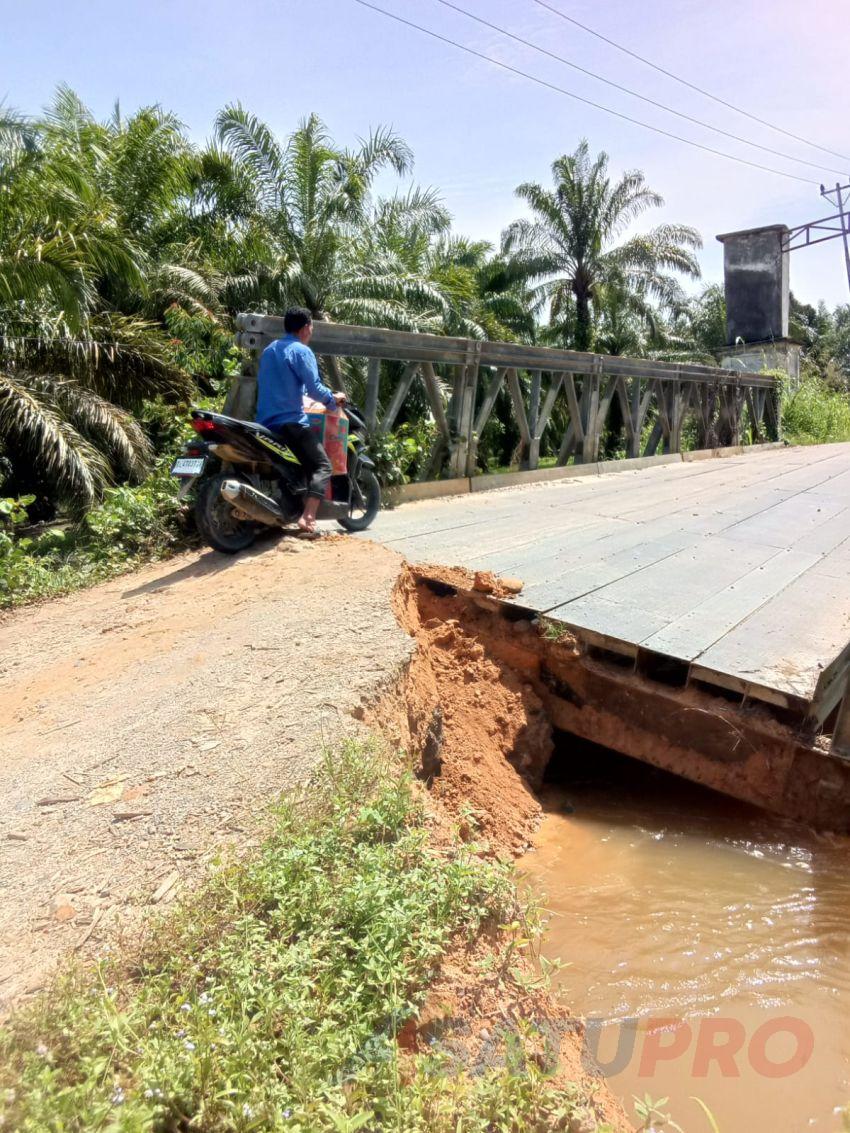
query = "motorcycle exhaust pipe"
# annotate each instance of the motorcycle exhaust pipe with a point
(254, 504)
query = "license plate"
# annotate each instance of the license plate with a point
(188, 466)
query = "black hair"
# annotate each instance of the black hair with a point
(296, 318)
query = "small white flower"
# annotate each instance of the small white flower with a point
(42, 1051)
(204, 997)
(212, 1013)
(189, 1045)
(246, 1110)
(185, 1007)
(117, 1096)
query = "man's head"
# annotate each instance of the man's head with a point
(299, 321)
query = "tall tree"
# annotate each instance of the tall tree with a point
(576, 243)
(312, 200)
(73, 361)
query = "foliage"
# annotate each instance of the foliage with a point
(273, 998)
(696, 330)
(814, 412)
(567, 248)
(652, 1116)
(14, 511)
(401, 455)
(131, 525)
(79, 200)
(825, 338)
(312, 207)
(133, 522)
(203, 347)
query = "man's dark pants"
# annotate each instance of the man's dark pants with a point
(311, 454)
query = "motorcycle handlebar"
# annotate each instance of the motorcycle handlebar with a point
(354, 414)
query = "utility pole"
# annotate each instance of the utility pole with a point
(839, 191)
(826, 227)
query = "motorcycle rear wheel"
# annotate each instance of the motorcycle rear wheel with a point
(215, 519)
(365, 501)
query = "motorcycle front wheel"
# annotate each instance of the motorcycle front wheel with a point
(365, 500)
(216, 522)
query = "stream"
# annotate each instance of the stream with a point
(705, 942)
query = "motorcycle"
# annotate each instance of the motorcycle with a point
(247, 478)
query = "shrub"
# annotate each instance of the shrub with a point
(815, 413)
(401, 455)
(131, 525)
(273, 999)
(133, 522)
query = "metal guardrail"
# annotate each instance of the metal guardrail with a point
(721, 402)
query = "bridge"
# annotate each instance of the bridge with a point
(706, 589)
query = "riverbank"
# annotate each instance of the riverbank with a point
(367, 967)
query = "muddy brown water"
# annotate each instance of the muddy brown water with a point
(706, 943)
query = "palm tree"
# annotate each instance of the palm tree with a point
(624, 326)
(40, 255)
(568, 250)
(73, 363)
(696, 329)
(484, 300)
(312, 206)
(132, 177)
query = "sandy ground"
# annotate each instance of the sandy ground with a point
(146, 722)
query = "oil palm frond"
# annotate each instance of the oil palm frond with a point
(33, 428)
(572, 242)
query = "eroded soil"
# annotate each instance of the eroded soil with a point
(478, 729)
(480, 738)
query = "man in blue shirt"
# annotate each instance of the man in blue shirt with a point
(287, 371)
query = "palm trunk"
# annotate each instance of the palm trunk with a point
(584, 328)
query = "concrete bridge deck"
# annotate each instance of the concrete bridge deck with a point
(729, 573)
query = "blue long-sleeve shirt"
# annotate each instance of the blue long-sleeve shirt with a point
(288, 369)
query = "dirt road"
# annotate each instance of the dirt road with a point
(148, 721)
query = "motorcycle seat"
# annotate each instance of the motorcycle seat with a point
(235, 422)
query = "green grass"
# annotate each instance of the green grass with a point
(272, 998)
(815, 414)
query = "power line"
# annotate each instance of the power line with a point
(687, 83)
(633, 93)
(580, 98)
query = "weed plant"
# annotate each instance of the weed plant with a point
(271, 1000)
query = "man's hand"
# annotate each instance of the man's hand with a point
(341, 399)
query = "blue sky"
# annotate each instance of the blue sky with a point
(476, 130)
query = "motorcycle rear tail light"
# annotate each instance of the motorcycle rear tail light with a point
(201, 426)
